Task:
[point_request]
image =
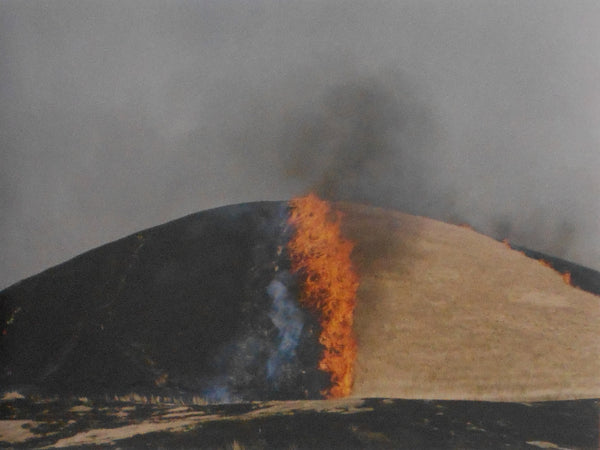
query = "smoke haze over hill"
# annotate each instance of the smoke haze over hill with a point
(117, 116)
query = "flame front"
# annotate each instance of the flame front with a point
(566, 276)
(321, 256)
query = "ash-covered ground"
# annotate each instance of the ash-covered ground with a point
(202, 306)
(335, 424)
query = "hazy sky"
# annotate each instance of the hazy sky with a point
(120, 115)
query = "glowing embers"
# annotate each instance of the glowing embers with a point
(321, 256)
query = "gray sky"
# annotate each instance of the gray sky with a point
(119, 115)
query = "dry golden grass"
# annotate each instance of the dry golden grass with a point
(444, 312)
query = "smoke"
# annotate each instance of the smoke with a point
(366, 140)
(289, 320)
(239, 371)
(117, 116)
(273, 349)
(218, 393)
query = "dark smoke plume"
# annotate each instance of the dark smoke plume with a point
(117, 116)
(364, 141)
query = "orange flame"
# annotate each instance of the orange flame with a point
(566, 276)
(321, 256)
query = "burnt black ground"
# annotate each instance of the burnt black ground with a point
(408, 424)
(377, 423)
(178, 309)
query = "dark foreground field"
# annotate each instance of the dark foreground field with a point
(344, 424)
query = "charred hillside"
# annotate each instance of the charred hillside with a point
(197, 306)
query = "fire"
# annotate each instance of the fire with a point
(321, 256)
(566, 276)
